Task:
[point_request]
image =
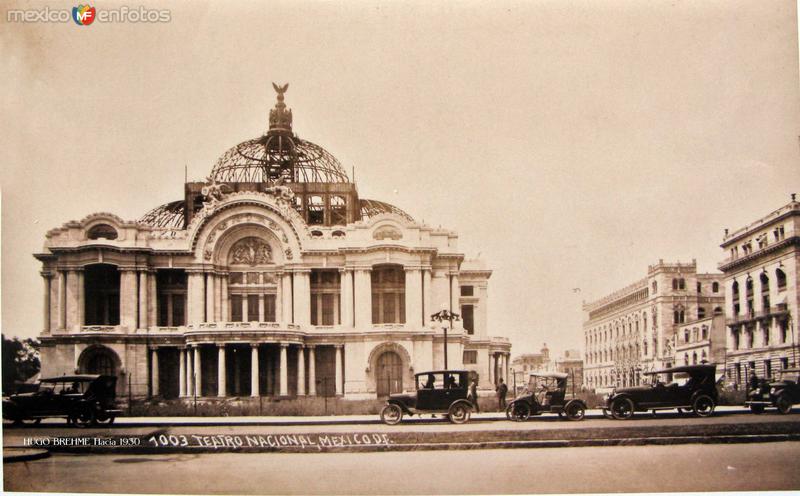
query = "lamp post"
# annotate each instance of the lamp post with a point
(445, 315)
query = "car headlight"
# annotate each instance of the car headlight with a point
(772, 390)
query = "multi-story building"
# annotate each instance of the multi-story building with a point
(571, 364)
(761, 293)
(631, 330)
(701, 341)
(524, 364)
(271, 278)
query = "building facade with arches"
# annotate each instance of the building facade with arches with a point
(633, 330)
(761, 294)
(270, 278)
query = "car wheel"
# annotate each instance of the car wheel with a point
(518, 411)
(622, 409)
(784, 404)
(459, 413)
(575, 411)
(703, 405)
(84, 418)
(757, 409)
(391, 414)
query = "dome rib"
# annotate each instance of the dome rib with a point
(372, 208)
(166, 216)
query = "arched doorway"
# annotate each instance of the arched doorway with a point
(98, 360)
(389, 376)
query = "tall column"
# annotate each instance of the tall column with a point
(254, 379)
(427, 309)
(195, 297)
(221, 389)
(261, 307)
(312, 374)
(198, 372)
(152, 299)
(279, 297)
(218, 299)
(154, 370)
(128, 297)
(72, 300)
(363, 298)
(301, 372)
(62, 299)
(143, 315)
(347, 297)
(81, 290)
(286, 297)
(492, 379)
(284, 379)
(414, 298)
(302, 297)
(339, 374)
(455, 293)
(189, 372)
(181, 372)
(225, 314)
(46, 277)
(209, 300)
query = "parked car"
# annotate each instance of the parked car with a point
(691, 387)
(546, 393)
(781, 393)
(438, 391)
(81, 399)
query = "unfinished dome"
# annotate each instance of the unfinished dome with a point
(279, 154)
(167, 216)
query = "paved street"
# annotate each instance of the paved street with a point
(739, 467)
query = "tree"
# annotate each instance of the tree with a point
(20, 361)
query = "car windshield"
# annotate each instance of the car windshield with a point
(64, 387)
(548, 383)
(439, 380)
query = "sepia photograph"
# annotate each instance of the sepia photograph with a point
(369, 247)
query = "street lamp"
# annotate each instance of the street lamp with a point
(445, 315)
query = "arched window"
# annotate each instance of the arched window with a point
(316, 210)
(701, 313)
(715, 287)
(704, 357)
(338, 211)
(681, 283)
(694, 358)
(780, 276)
(388, 294)
(717, 310)
(102, 231)
(686, 359)
(252, 286)
(655, 287)
(674, 284)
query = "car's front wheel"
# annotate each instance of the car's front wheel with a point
(622, 408)
(518, 411)
(391, 414)
(703, 405)
(83, 418)
(459, 413)
(784, 404)
(575, 411)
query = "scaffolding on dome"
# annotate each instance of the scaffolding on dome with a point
(167, 216)
(371, 208)
(267, 158)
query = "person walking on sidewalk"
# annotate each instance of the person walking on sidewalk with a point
(502, 390)
(472, 395)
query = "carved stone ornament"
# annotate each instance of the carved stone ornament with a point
(387, 232)
(250, 251)
(207, 254)
(214, 191)
(288, 253)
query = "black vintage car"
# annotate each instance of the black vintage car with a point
(692, 388)
(81, 399)
(546, 393)
(781, 393)
(438, 391)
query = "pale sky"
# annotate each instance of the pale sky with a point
(570, 144)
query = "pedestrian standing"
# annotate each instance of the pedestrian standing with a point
(502, 390)
(472, 395)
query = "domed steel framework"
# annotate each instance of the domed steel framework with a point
(167, 216)
(371, 208)
(278, 155)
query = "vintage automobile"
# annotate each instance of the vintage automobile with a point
(438, 391)
(781, 393)
(693, 389)
(81, 399)
(546, 393)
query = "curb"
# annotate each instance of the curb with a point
(12, 454)
(424, 446)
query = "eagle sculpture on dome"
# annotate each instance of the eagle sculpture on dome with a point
(280, 89)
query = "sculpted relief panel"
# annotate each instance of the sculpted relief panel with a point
(250, 251)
